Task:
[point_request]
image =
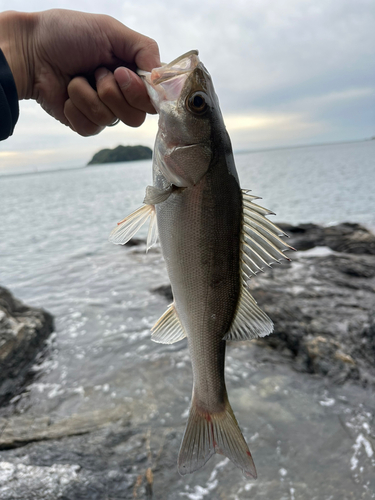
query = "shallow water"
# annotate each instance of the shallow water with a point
(54, 253)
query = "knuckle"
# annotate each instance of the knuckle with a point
(74, 87)
(151, 45)
(99, 115)
(106, 91)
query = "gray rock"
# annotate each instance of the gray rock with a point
(23, 331)
(347, 237)
(19, 430)
(322, 306)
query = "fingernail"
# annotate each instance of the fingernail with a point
(101, 73)
(122, 77)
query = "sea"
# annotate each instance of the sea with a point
(55, 254)
(54, 227)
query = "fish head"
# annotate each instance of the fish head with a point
(183, 94)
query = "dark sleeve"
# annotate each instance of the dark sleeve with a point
(8, 100)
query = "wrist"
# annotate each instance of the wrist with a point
(16, 30)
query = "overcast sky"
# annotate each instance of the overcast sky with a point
(286, 73)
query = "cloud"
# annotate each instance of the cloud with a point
(286, 71)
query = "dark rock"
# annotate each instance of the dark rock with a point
(23, 330)
(135, 242)
(121, 153)
(166, 291)
(320, 306)
(346, 237)
(19, 430)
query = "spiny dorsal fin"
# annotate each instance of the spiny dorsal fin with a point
(261, 244)
(168, 329)
(127, 228)
(249, 322)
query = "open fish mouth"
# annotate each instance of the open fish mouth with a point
(179, 66)
(165, 83)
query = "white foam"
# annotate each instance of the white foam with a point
(327, 402)
(200, 492)
(360, 441)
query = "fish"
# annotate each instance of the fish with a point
(214, 239)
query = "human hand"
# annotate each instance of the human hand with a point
(52, 55)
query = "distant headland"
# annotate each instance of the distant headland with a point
(121, 153)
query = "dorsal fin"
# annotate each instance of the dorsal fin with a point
(260, 246)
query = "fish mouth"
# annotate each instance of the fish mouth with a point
(179, 66)
(166, 83)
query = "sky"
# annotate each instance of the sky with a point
(287, 73)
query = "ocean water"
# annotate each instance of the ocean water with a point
(54, 253)
(54, 249)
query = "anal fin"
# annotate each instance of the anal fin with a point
(168, 329)
(249, 322)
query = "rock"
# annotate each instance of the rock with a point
(23, 330)
(346, 237)
(19, 430)
(134, 242)
(322, 303)
(50, 482)
(165, 291)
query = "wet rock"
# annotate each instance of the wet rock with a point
(322, 303)
(19, 430)
(23, 331)
(134, 242)
(346, 237)
(165, 291)
(50, 482)
(104, 463)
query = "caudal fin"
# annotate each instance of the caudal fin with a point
(209, 433)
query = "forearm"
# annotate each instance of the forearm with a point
(16, 30)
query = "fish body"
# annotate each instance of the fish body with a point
(213, 239)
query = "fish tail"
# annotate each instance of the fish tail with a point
(208, 433)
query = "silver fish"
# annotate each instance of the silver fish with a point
(214, 238)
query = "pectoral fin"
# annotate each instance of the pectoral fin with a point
(168, 329)
(127, 228)
(154, 195)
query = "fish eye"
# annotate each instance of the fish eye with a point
(197, 103)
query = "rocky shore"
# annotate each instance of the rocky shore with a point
(304, 396)
(323, 302)
(23, 331)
